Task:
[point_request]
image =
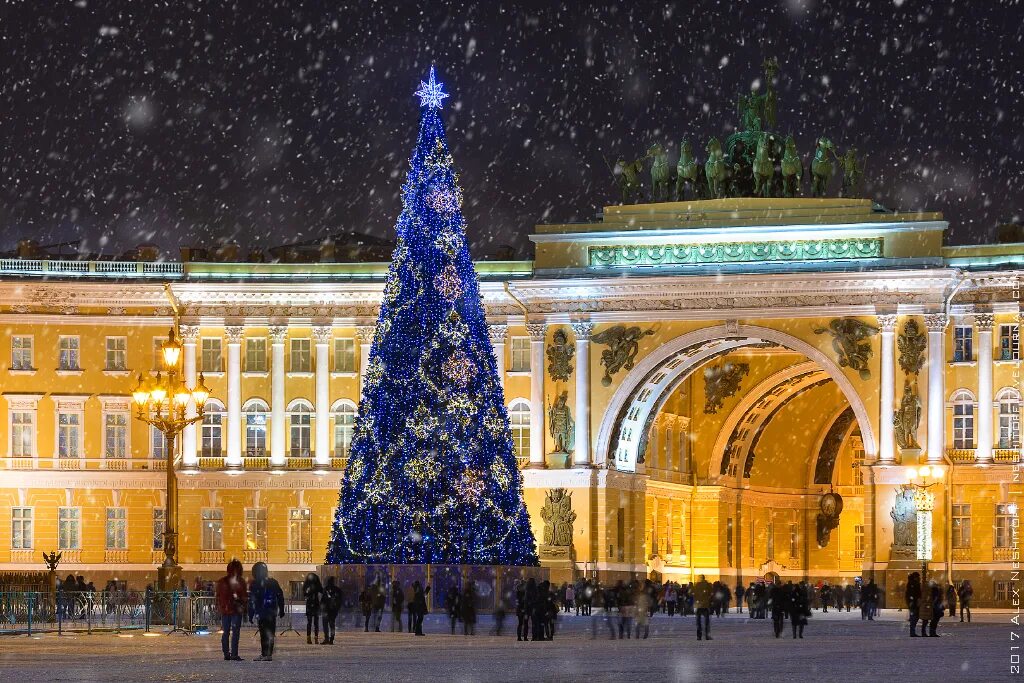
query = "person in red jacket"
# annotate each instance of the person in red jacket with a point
(232, 598)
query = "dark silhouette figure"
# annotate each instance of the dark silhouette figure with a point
(266, 603)
(313, 592)
(702, 596)
(912, 594)
(397, 603)
(799, 608)
(965, 594)
(232, 600)
(419, 606)
(330, 607)
(777, 599)
(938, 606)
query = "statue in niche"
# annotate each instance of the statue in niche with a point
(560, 353)
(851, 340)
(558, 520)
(911, 344)
(561, 426)
(623, 345)
(907, 418)
(721, 382)
(904, 521)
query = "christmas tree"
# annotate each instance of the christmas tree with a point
(431, 476)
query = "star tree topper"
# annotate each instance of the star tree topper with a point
(430, 92)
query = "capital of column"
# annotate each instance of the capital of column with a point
(322, 334)
(887, 322)
(365, 333)
(936, 322)
(277, 333)
(189, 333)
(234, 333)
(984, 321)
(536, 331)
(583, 329)
(497, 332)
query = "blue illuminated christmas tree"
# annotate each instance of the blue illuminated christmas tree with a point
(431, 476)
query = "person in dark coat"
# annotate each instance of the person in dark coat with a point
(739, 597)
(848, 596)
(452, 605)
(330, 606)
(538, 615)
(522, 616)
(366, 606)
(965, 594)
(397, 603)
(312, 591)
(266, 603)
(779, 604)
(419, 605)
(702, 597)
(951, 600)
(467, 605)
(232, 600)
(912, 595)
(799, 608)
(868, 600)
(938, 606)
(378, 598)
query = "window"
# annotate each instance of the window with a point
(520, 354)
(211, 357)
(23, 434)
(21, 353)
(159, 527)
(344, 426)
(963, 344)
(301, 418)
(255, 354)
(21, 528)
(157, 444)
(769, 553)
(299, 537)
(256, 529)
(1001, 591)
(115, 435)
(794, 541)
(855, 464)
(1005, 526)
(69, 528)
(963, 420)
(302, 359)
(1009, 420)
(519, 420)
(256, 429)
(117, 529)
(213, 418)
(69, 435)
(68, 356)
(961, 525)
(345, 355)
(117, 353)
(1009, 342)
(213, 529)
(858, 542)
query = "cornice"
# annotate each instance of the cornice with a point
(62, 294)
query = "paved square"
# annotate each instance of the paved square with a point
(835, 648)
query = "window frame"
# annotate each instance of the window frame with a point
(963, 343)
(121, 422)
(116, 521)
(64, 432)
(74, 353)
(252, 446)
(960, 525)
(522, 433)
(14, 428)
(73, 523)
(19, 351)
(300, 527)
(1009, 342)
(121, 353)
(206, 355)
(251, 354)
(159, 522)
(519, 350)
(300, 422)
(255, 529)
(305, 357)
(211, 429)
(343, 432)
(1003, 526)
(23, 518)
(348, 355)
(212, 523)
(964, 424)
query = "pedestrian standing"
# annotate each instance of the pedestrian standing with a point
(625, 598)
(965, 595)
(397, 602)
(419, 604)
(312, 591)
(799, 609)
(452, 605)
(643, 613)
(670, 598)
(570, 598)
(330, 607)
(232, 599)
(779, 605)
(951, 600)
(366, 606)
(739, 597)
(378, 599)
(938, 607)
(522, 613)
(848, 596)
(912, 595)
(467, 603)
(266, 603)
(702, 593)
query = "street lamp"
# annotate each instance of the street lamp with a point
(920, 479)
(162, 402)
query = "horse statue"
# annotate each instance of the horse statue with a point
(714, 168)
(686, 170)
(792, 169)
(763, 167)
(822, 167)
(627, 173)
(853, 173)
(660, 172)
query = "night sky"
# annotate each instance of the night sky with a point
(264, 122)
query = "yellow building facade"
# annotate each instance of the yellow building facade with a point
(730, 362)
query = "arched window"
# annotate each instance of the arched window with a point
(255, 428)
(519, 420)
(344, 425)
(963, 419)
(211, 445)
(1009, 418)
(300, 414)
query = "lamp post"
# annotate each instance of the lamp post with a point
(162, 401)
(920, 479)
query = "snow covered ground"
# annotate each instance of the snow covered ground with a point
(835, 648)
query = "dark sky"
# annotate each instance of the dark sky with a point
(263, 122)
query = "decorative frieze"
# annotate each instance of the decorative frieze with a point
(632, 256)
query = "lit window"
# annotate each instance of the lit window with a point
(769, 553)
(69, 528)
(520, 354)
(69, 435)
(344, 355)
(256, 429)
(963, 344)
(794, 541)
(213, 529)
(255, 354)
(211, 356)
(1009, 342)
(299, 523)
(117, 529)
(1005, 526)
(344, 426)
(21, 353)
(68, 356)
(855, 465)
(115, 435)
(21, 528)
(858, 542)
(1009, 421)
(256, 529)
(302, 357)
(963, 420)
(213, 417)
(301, 434)
(961, 525)
(117, 353)
(157, 444)
(23, 434)
(519, 421)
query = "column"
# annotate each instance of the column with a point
(936, 324)
(984, 321)
(277, 404)
(365, 335)
(537, 430)
(234, 427)
(497, 333)
(582, 457)
(886, 453)
(322, 337)
(189, 337)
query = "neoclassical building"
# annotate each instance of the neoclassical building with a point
(726, 363)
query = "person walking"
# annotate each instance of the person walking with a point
(702, 594)
(522, 614)
(452, 606)
(938, 609)
(951, 599)
(739, 597)
(799, 609)
(232, 599)
(366, 606)
(643, 613)
(912, 595)
(779, 606)
(868, 600)
(570, 598)
(670, 598)
(848, 596)
(419, 606)
(378, 598)
(312, 591)
(330, 606)
(625, 597)
(965, 594)
(266, 604)
(397, 602)
(539, 613)
(467, 605)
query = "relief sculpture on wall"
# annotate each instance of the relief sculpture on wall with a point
(623, 345)
(904, 525)
(558, 519)
(851, 340)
